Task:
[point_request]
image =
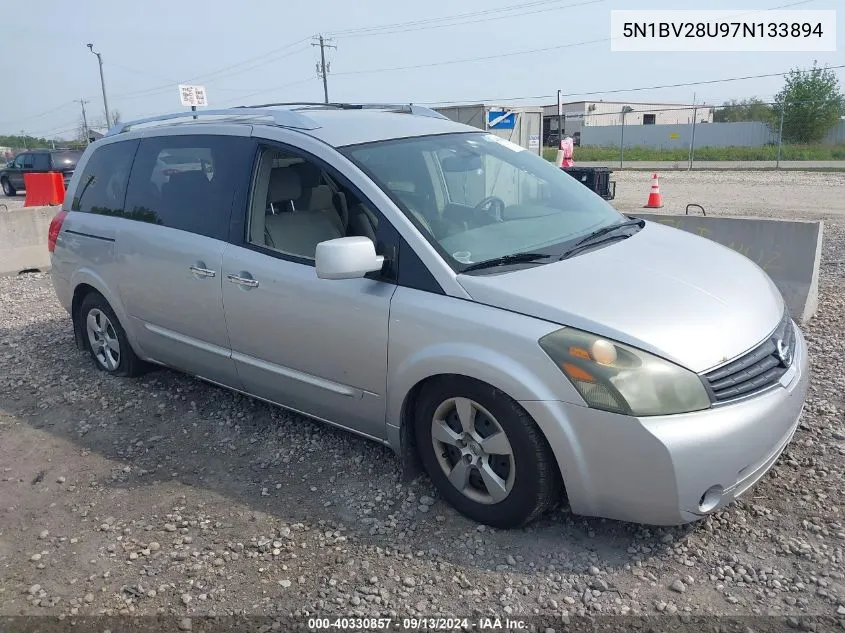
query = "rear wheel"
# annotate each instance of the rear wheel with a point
(8, 189)
(106, 339)
(484, 453)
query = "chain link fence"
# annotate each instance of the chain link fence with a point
(614, 134)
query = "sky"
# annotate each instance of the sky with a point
(258, 51)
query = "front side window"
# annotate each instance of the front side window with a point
(477, 197)
(298, 203)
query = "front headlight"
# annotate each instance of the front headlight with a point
(622, 379)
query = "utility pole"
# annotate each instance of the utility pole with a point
(780, 133)
(559, 120)
(103, 85)
(692, 136)
(625, 110)
(82, 102)
(322, 67)
(24, 139)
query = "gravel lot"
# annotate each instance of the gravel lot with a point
(164, 495)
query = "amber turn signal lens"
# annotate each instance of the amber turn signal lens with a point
(576, 373)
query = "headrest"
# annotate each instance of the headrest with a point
(193, 178)
(309, 174)
(284, 185)
(321, 197)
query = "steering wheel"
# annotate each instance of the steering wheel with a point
(494, 207)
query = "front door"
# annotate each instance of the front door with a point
(314, 345)
(22, 164)
(180, 196)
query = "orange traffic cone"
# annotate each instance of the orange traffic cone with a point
(655, 200)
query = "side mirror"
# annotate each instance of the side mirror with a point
(347, 258)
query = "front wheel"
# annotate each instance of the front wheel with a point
(8, 189)
(484, 453)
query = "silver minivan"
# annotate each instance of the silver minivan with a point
(441, 290)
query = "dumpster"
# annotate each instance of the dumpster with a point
(596, 178)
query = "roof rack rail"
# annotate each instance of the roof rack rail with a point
(282, 118)
(408, 108)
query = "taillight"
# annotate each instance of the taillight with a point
(55, 227)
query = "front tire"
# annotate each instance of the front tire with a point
(106, 339)
(8, 189)
(484, 453)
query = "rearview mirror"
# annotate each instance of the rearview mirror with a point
(347, 258)
(461, 163)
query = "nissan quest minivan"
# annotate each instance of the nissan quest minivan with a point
(440, 290)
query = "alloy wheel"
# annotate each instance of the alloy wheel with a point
(103, 339)
(473, 450)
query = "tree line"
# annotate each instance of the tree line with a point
(811, 103)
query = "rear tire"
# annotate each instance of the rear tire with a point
(106, 339)
(484, 453)
(8, 189)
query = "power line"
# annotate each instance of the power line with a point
(39, 115)
(620, 90)
(436, 23)
(220, 73)
(524, 52)
(475, 59)
(266, 90)
(346, 32)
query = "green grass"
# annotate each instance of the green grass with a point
(767, 152)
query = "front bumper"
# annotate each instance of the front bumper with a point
(656, 470)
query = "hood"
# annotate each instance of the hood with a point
(672, 293)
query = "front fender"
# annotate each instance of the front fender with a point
(503, 372)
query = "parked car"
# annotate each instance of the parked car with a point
(38, 161)
(440, 290)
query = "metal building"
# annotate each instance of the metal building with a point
(520, 125)
(579, 114)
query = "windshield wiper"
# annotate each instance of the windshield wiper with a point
(592, 238)
(515, 258)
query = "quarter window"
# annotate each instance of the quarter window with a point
(102, 186)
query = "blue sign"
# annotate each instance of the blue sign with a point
(501, 119)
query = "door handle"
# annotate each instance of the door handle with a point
(243, 281)
(201, 272)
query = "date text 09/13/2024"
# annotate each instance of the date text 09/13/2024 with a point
(417, 623)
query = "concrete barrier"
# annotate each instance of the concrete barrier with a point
(23, 239)
(789, 251)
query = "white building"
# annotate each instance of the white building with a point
(596, 113)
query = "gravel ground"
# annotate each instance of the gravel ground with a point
(166, 496)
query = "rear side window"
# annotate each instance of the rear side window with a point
(189, 182)
(102, 187)
(65, 160)
(41, 162)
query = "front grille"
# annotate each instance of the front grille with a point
(757, 370)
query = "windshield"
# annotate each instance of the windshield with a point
(478, 197)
